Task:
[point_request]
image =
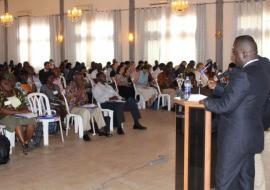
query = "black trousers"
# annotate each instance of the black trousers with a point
(132, 107)
(234, 170)
(118, 111)
(119, 108)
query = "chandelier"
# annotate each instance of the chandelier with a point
(179, 5)
(74, 14)
(6, 19)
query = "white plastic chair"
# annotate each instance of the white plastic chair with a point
(9, 135)
(141, 103)
(76, 119)
(115, 84)
(39, 105)
(106, 113)
(63, 81)
(165, 98)
(180, 82)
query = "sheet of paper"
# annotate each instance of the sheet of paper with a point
(89, 106)
(26, 115)
(15, 102)
(196, 97)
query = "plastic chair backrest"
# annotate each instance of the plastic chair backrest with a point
(63, 81)
(115, 84)
(39, 104)
(157, 85)
(179, 82)
(66, 103)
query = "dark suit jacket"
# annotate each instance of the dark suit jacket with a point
(241, 108)
(42, 76)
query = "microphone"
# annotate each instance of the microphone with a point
(209, 63)
(223, 75)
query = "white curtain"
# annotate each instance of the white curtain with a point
(117, 23)
(13, 41)
(250, 20)
(266, 30)
(54, 22)
(164, 36)
(201, 42)
(91, 39)
(34, 40)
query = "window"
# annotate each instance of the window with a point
(34, 41)
(95, 38)
(165, 37)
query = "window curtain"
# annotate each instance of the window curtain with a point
(250, 20)
(165, 36)
(34, 40)
(91, 39)
(117, 25)
(266, 29)
(54, 22)
(13, 41)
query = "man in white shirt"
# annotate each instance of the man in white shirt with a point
(110, 99)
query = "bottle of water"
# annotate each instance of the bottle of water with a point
(188, 86)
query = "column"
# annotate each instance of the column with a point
(61, 30)
(219, 33)
(132, 29)
(6, 33)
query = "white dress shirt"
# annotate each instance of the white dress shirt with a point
(103, 92)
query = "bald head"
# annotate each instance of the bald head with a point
(248, 43)
(244, 49)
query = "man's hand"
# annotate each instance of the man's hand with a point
(201, 101)
(212, 84)
(114, 98)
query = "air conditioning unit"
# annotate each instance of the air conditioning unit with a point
(158, 3)
(85, 7)
(24, 13)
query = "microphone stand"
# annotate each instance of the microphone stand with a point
(202, 72)
(200, 83)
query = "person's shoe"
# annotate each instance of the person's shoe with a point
(120, 131)
(25, 149)
(31, 146)
(140, 127)
(86, 137)
(103, 133)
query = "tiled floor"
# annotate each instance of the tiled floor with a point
(128, 162)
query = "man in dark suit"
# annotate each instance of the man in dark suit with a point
(44, 72)
(240, 129)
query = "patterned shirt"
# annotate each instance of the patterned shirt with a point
(72, 99)
(4, 100)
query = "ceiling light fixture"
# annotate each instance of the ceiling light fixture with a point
(6, 19)
(74, 14)
(179, 5)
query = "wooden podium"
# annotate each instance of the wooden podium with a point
(188, 105)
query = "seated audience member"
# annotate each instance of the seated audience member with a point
(124, 84)
(110, 99)
(57, 80)
(67, 70)
(200, 75)
(23, 84)
(113, 72)
(12, 101)
(33, 79)
(54, 94)
(166, 83)
(143, 86)
(43, 72)
(77, 97)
